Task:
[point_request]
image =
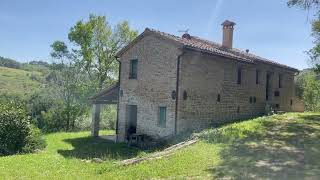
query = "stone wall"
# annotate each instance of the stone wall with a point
(203, 77)
(156, 79)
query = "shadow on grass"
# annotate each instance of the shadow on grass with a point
(90, 147)
(287, 149)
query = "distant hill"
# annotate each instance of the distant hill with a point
(19, 82)
(7, 62)
(30, 66)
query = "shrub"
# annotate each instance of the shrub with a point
(34, 141)
(16, 132)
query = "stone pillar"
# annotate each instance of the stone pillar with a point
(95, 125)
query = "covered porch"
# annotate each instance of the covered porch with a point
(108, 96)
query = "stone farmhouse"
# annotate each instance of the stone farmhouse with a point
(170, 84)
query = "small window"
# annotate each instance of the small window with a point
(185, 95)
(250, 99)
(162, 116)
(291, 102)
(218, 98)
(280, 81)
(257, 76)
(238, 109)
(239, 75)
(133, 69)
(173, 95)
(254, 99)
(276, 93)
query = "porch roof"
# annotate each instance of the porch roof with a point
(108, 95)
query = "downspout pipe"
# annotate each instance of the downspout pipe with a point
(177, 92)
(119, 78)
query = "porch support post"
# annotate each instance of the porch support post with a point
(95, 125)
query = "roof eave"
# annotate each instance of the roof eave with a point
(216, 54)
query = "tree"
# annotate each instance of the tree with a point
(97, 44)
(311, 93)
(10, 63)
(67, 83)
(314, 53)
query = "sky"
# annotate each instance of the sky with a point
(267, 28)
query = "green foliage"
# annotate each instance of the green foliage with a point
(59, 50)
(14, 128)
(97, 44)
(16, 133)
(38, 66)
(68, 84)
(233, 132)
(264, 148)
(108, 116)
(311, 92)
(307, 87)
(34, 141)
(19, 82)
(314, 53)
(305, 4)
(62, 117)
(10, 63)
(39, 103)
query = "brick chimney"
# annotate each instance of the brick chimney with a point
(227, 27)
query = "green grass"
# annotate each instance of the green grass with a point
(275, 147)
(16, 81)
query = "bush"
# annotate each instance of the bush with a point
(34, 141)
(108, 117)
(311, 92)
(16, 133)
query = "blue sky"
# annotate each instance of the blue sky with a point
(268, 28)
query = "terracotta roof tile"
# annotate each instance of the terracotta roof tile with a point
(217, 49)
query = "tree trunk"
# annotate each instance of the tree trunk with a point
(68, 117)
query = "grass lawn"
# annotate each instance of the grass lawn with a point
(17, 81)
(277, 147)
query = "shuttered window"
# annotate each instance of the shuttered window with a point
(280, 81)
(133, 69)
(257, 76)
(239, 76)
(162, 116)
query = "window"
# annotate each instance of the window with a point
(280, 81)
(254, 99)
(218, 98)
(173, 95)
(133, 69)
(162, 116)
(185, 95)
(257, 76)
(277, 93)
(239, 76)
(291, 102)
(250, 99)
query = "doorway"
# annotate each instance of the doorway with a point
(131, 119)
(268, 79)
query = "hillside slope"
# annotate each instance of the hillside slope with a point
(17, 81)
(275, 147)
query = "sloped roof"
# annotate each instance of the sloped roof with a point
(202, 45)
(108, 95)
